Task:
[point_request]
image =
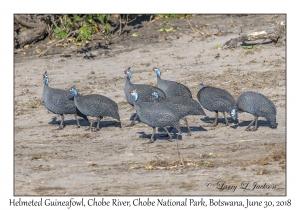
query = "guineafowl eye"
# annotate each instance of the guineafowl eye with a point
(127, 72)
(134, 94)
(46, 79)
(73, 91)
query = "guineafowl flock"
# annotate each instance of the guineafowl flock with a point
(161, 106)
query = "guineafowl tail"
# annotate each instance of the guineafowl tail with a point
(117, 116)
(197, 108)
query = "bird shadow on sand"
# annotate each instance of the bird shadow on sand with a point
(232, 123)
(260, 123)
(184, 129)
(246, 44)
(161, 136)
(84, 123)
(56, 121)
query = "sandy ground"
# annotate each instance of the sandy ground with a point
(112, 161)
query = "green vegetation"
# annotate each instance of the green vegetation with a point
(85, 24)
(219, 46)
(104, 21)
(35, 157)
(89, 24)
(136, 34)
(249, 52)
(166, 29)
(174, 15)
(248, 47)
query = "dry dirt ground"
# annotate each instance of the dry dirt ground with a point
(73, 161)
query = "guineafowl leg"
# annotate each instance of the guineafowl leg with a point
(133, 121)
(250, 125)
(178, 130)
(169, 129)
(98, 124)
(77, 121)
(91, 124)
(62, 118)
(168, 134)
(189, 130)
(256, 121)
(152, 139)
(216, 120)
(225, 119)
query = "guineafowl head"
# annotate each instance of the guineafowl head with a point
(157, 71)
(234, 114)
(272, 119)
(155, 95)
(127, 72)
(134, 94)
(73, 91)
(45, 77)
(202, 86)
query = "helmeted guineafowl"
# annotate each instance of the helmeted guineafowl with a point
(60, 102)
(156, 115)
(183, 106)
(217, 100)
(95, 105)
(144, 92)
(171, 88)
(258, 105)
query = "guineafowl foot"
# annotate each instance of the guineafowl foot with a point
(170, 140)
(214, 124)
(189, 134)
(151, 141)
(61, 127)
(131, 124)
(251, 128)
(95, 129)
